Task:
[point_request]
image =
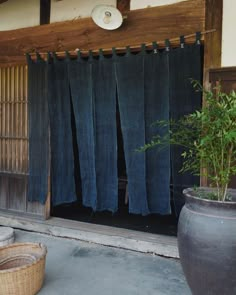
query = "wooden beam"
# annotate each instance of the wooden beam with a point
(175, 42)
(47, 205)
(123, 5)
(141, 26)
(213, 42)
(45, 10)
(212, 47)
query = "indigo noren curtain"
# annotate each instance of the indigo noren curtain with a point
(104, 86)
(130, 86)
(38, 131)
(148, 86)
(80, 76)
(185, 64)
(156, 92)
(93, 92)
(62, 158)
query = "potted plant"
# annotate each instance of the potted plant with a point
(207, 222)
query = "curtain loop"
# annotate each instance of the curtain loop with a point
(54, 56)
(48, 57)
(78, 54)
(128, 52)
(198, 38)
(167, 43)
(67, 55)
(182, 41)
(154, 46)
(28, 58)
(90, 55)
(101, 55)
(143, 48)
(114, 51)
(38, 57)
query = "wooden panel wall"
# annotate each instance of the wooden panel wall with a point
(13, 116)
(14, 141)
(13, 137)
(212, 48)
(141, 26)
(212, 42)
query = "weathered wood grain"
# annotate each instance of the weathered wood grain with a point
(213, 42)
(98, 234)
(17, 193)
(212, 48)
(3, 191)
(123, 5)
(14, 143)
(141, 26)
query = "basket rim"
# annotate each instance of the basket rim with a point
(15, 269)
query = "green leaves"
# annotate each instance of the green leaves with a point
(208, 137)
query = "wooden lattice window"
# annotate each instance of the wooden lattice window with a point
(14, 157)
(13, 120)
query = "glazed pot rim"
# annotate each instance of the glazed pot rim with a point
(189, 193)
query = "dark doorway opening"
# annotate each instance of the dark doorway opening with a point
(153, 223)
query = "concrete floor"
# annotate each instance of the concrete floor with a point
(75, 267)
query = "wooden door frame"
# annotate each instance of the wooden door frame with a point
(212, 49)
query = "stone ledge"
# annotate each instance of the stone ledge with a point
(104, 235)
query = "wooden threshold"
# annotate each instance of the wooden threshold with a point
(99, 234)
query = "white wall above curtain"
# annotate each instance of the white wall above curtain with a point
(74, 9)
(16, 14)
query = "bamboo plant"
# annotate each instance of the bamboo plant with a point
(208, 139)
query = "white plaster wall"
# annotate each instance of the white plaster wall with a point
(228, 34)
(16, 14)
(138, 4)
(73, 9)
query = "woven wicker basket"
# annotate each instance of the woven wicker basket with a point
(22, 268)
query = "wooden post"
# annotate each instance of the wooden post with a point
(45, 10)
(212, 48)
(123, 5)
(47, 205)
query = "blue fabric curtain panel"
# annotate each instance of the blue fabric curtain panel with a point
(130, 86)
(185, 63)
(148, 86)
(38, 131)
(62, 158)
(81, 85)
(104, 86)
(156, 93)
(93, 92)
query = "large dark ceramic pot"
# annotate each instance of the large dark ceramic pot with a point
(207, 244)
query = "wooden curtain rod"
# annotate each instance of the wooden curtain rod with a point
(174, 42)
